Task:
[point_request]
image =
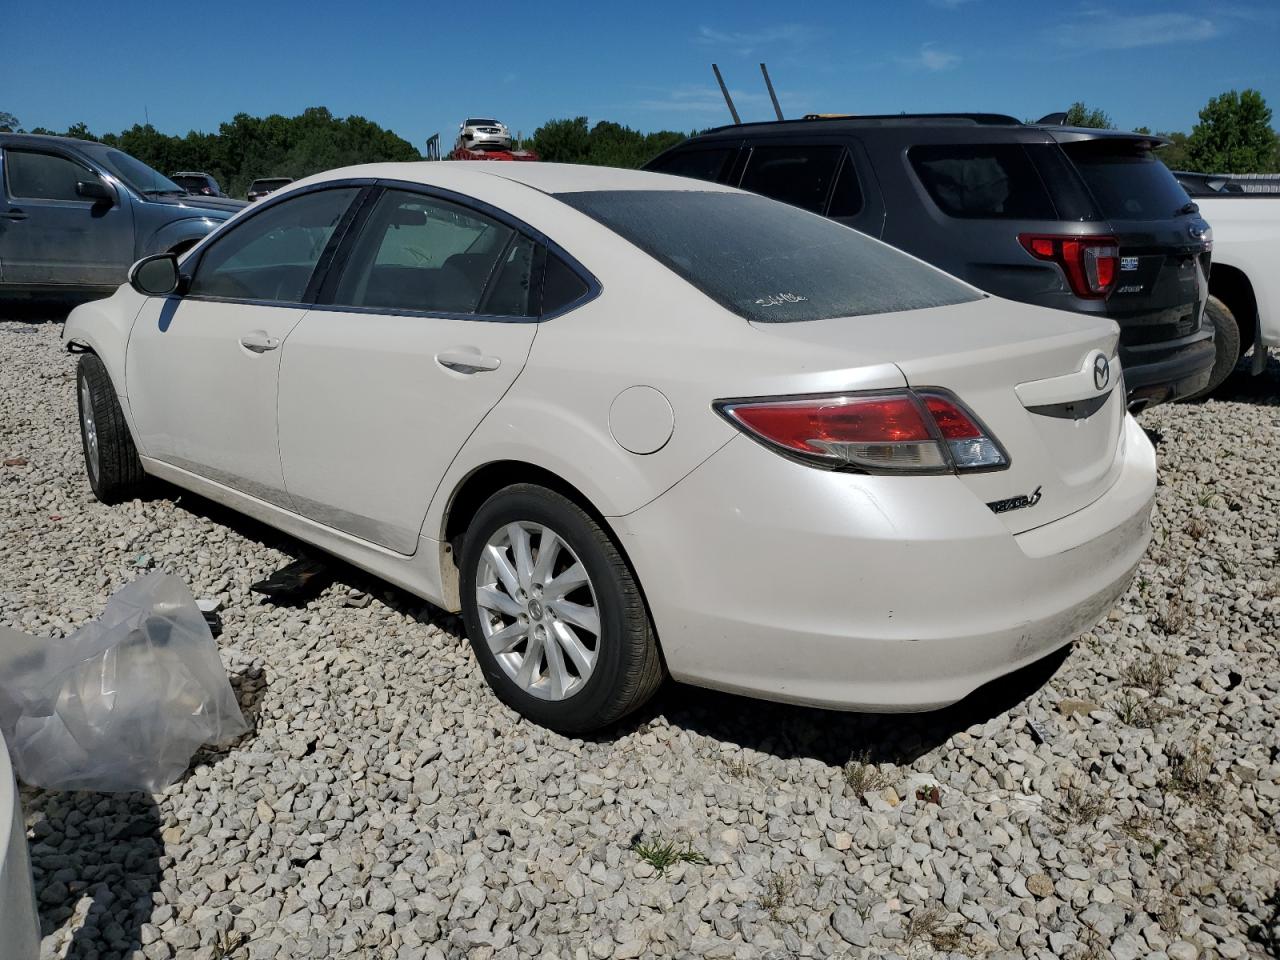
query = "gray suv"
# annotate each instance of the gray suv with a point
(75, 214)
(1083, 220)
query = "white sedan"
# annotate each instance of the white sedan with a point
(634, 425)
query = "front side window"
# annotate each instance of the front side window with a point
(272, 255)
(43, 176)
(421, 254)
(769, 262)
(983, 181)
(698, 164)
(798, 175)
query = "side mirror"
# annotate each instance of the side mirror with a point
(155, 276)
(95, 190)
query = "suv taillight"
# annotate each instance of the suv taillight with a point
(899, 431)
(1090, 263)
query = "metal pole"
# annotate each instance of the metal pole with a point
(772, 96)
(727, 99)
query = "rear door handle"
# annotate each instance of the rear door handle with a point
(13, 215)
(467, 361)
(258, 342)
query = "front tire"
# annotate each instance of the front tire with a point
(554, 614)
(1226, 342)
(110, 458)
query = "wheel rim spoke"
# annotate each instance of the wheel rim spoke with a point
(522, 553)
(497, 558)
(548, 551)
(503, 640)
(493, 599)
(532, 656)
(582, 658)
(557, 674)
(578, 615)
(570, 580)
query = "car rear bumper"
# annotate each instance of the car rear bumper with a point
(777, 580)
(1163, 372)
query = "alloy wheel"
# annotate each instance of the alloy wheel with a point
(90, 430)
(538, 610)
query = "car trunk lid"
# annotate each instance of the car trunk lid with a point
(1027, 373)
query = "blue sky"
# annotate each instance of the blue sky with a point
(421, 67)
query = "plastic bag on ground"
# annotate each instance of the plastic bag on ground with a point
(124, 702)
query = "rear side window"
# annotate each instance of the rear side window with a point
(43, 176)
(846, 199)
(983, 181)
(698, 164)
(271, 255)
(769, 262)
(798, 175)
(419, 253)
(560, 285)
(1128, 182)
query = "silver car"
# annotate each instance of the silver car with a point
(481, 133)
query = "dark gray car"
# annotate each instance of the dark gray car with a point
(75, 214)
(1083, 220)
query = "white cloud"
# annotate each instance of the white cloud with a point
(696, 99)
(1099, 30)
(789, 36)
(931, 58)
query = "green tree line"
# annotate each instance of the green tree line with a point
(1233, 135)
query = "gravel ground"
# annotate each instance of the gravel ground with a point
(1121, 801)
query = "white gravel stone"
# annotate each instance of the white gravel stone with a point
(387, 807)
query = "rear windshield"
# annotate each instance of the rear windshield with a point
(1128, 182)
(766, 261)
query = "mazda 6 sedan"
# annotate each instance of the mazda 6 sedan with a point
(634, 425)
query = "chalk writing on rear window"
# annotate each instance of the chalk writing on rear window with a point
(777, 299)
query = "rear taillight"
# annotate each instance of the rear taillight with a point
(902, 431)
(1090, 263)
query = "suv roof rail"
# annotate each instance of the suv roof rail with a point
(984, 119)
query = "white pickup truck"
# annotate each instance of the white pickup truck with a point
(1244, 282)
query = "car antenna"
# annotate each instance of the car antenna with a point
(772, 96)
(727, 99)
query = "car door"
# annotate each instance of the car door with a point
(423, 324)
(202, 369)
(50, 234)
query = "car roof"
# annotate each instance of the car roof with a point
(951, 122)
(544, 177)
(45, 139)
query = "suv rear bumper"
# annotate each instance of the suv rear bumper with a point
(1164, 372)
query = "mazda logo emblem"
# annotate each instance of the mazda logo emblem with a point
(1101, 372)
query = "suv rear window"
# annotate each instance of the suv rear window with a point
(699, 164)
(1127, 181)
(798, 175)
(983, 181)
(769, 262)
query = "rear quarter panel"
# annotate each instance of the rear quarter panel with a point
(1246, 235)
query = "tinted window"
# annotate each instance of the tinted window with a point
(699, 164)
(846, 198)
(983, 181)
(510, 292)
(561, 286)
(419, 253)
(766, 261)
(1128, 182)
(271, 255)
(43, 176)
(800, 176)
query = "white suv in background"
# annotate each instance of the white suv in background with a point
(479, 133)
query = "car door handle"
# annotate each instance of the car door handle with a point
(258, 342)
(467, 361)
(13, 215)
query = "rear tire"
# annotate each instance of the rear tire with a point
(110, 458)
(1226, 342)
(595, 656)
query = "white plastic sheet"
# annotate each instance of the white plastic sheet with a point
(122, 703)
